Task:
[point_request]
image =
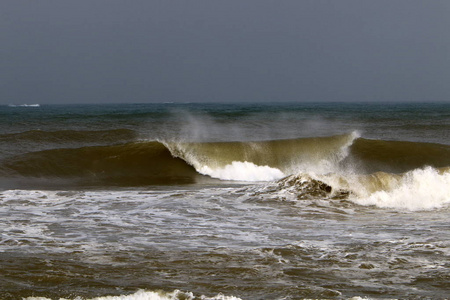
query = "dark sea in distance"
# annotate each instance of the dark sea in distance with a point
(225, 201)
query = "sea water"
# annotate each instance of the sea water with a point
(225, 201)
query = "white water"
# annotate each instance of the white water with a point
(420, 189)
(243, 171)
(417, 190)
(151, 295)
(241, 222)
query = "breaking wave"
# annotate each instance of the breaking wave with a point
(153, 162)
(420, 189)
(264, 160)
(367, 172)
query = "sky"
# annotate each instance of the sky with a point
(109, 51)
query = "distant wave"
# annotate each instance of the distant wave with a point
(24, 105)
(79, 136)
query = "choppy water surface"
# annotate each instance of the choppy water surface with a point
(225, 201)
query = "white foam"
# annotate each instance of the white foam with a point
(176, 295)
(420, 189)
(243, 171)
(151, 295)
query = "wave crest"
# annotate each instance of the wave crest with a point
(264, 160)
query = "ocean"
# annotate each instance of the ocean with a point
(225, 201)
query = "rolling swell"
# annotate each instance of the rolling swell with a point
(61, 136)
(39, 140)
(131, 164)
(372, 156)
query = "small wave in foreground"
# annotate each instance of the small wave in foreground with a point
(159, 295)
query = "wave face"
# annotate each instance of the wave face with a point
(397, 156)
(130, 164)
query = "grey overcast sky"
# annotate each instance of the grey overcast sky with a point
(102, 51)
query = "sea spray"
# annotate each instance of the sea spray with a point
(324, 158)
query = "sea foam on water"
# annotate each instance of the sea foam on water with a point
(420, 189)
(152, 295)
